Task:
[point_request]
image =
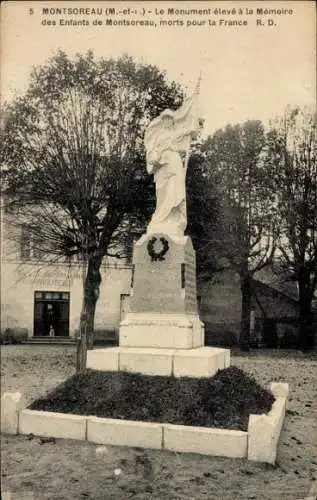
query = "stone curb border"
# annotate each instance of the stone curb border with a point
(258, 444)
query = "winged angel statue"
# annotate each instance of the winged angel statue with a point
(167, 142)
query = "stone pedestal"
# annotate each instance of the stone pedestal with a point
(199, 362)
(163, 304)
(162, 334)
(170, 331)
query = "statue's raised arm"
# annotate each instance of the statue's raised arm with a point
(167, 141)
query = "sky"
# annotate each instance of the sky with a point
(248, 72)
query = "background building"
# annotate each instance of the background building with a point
(46, 297)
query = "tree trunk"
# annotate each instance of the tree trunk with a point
(245, 312)
(92, 290)
(87, 318)
(306, 336)
(82, 344)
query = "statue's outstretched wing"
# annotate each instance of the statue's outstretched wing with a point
(186, 120)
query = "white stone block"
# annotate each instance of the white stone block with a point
(146, 361)
(167, 331)
(50, 424)
(198, 332)
(200, 362)
(279, 389)
(103, 359)
(197, 362)
(227, 357)
(206, 441)
(6, 495)
(11, 404)
(124, 432)
(264, 432)
(9, 495)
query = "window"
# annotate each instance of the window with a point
(30, 243)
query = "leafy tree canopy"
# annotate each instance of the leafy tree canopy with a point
(75, 141)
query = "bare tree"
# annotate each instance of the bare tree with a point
(73, 159)
(292, 154)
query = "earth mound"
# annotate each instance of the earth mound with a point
(224, 401)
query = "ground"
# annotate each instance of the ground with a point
(72, 470)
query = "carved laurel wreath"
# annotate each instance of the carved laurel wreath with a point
(157, 253)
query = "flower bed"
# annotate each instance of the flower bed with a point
(225, 400)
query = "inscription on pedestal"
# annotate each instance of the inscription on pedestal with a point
(155, 289)
(190, 288)
(162, 270)
(190, 279)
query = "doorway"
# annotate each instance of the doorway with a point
(269, 336)
(51, 314)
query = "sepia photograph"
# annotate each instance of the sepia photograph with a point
(158, 250)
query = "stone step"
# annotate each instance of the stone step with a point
(199, 362)
(51, 340)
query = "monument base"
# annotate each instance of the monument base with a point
(199, 362)
(169, 331)
(162, 333)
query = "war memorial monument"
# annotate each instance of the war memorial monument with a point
(162, 333)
